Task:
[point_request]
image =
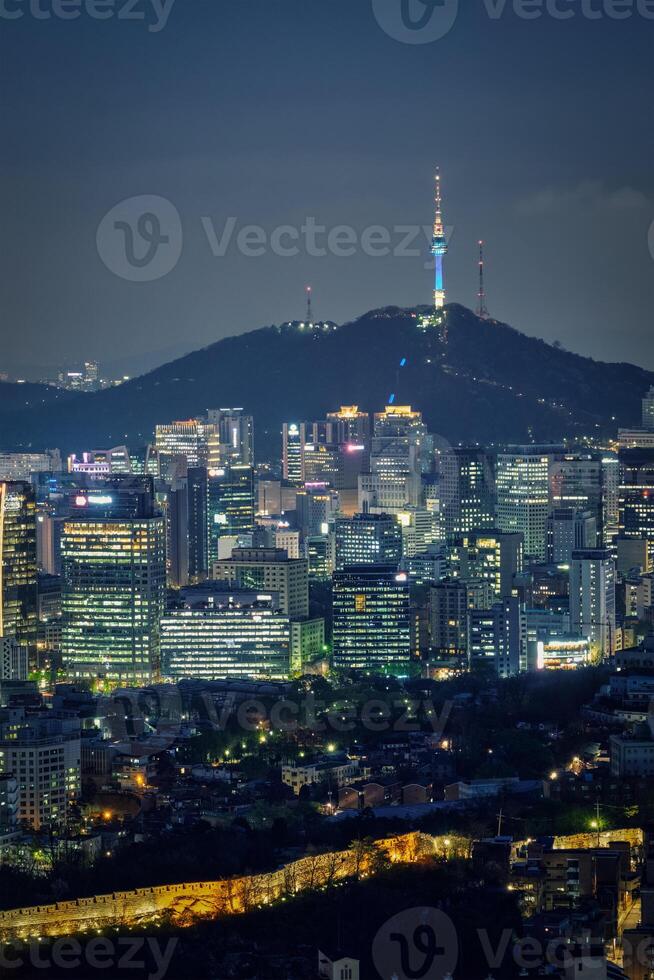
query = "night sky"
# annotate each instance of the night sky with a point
(274, 111)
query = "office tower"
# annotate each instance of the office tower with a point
(592, 598)
(582, 481)
(316, 507)
(448, 623)
(522, 479)
(273, 498)
(194, 439)
(319, 550)
(18, 565)
(289, 541)
(610, 525)
(489, 556)
(114, 586)
(321, 463)
(498, 638)
(269, 570)
(235, 434)
(173, 500)
(371, 620)
(244, 639)
(101, 462)
(399, 426)
(420, 530)
(385, 494)
(230, 512)
(13, 660)
(198, 523)
(648, 410)
(307, 642)
(349, 425)
(467, 493)
(42, 752)
(368, 539)
(20, 466)
(636, 495)
(569, 530)
(293, 440)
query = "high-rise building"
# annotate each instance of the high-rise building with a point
(195, 439)
(592, 598)
(636, 495)
(18, 565)
(371, 620)
(13, 660)
(522, 479)
(648, 410)
(42, 752)
(293, 441)
(316, 507)
(498, 638)
(467, 496)
(492, 556)
(269, 570)
(368, 539)
(198, 523)
(101, 462)
(235, 433)
(569, 530)
(396, 431)
(349, 426)
(20, 466)
(212, 641)
(114, 582)
(448, 622)
(307, 642)
(230, 511)
(319, 550)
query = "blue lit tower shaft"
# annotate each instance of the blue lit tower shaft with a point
(439, 248)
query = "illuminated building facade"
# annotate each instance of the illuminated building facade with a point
(368, 539)
(448, 622)
(42, 751)
(269, 570)
(592, 598)
(636, 495)
(466, 498)
(213, 642)
(18, 564)
(235, 434)
(197, 440)
(113, 596)
(522, 479)
(489, 556)
(230, 509)
(293, 439)
(371, 620)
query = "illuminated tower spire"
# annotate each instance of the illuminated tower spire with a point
(309, 310)
(439, 248)
(481, 305)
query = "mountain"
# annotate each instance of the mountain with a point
(488, 383)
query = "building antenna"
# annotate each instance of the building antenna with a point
(482, 310)
(309, 306)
